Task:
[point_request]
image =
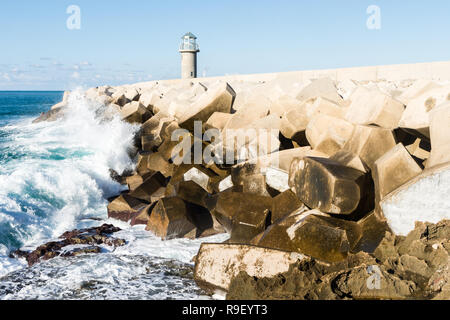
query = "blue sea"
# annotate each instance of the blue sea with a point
(55, 177)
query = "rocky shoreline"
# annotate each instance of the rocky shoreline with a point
(328, 190)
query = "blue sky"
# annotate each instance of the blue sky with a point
(137, 40)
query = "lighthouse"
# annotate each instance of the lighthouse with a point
(188, 50)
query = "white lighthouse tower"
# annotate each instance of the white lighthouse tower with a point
(188, 50)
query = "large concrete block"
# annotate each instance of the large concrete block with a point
(132, 94)
(349, 159)
(283, 105)
(135, 112)
(423, 198)
(416, 116)
(373, 107)
(324, 88)
(392, 170)
(169, 219)
(149, 187)
(142, 162)
(324, 238)
(226, 207)
(330, 187)
(285, 204)
(191, 192)
(420, 149)
(328, 134)
(248, 224)
(293, 125)
(370, 143)
(217, 264)
(156, 163)
(373, 228)
(135, 181)
(119, 97)
(440, 135)
(218, 120)
(125, 207)
(246, 115)
(218, 98)
(418, 88)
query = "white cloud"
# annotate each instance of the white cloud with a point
(6, 77)
(75, 75)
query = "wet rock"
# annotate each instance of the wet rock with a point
(51, 115)
(90, 238)
(120, 178)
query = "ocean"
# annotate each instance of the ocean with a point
(55, 177)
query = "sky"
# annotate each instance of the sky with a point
(121, 42)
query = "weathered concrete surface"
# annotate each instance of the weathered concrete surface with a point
(327, 185)
(217, 264)
(392, 170)
(373, 107)
(440, 135)
(423, 198)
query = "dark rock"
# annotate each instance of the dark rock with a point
(92, 237)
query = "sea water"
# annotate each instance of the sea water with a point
(55, 177)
